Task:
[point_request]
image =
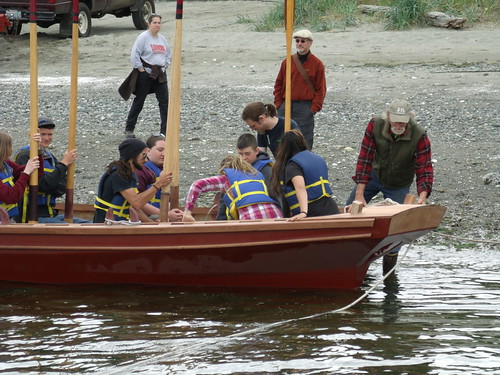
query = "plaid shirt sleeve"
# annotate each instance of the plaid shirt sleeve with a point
(423, 165)
(215, 183)
(366, 155)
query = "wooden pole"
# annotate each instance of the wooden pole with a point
(33, 187)
(289, 21)
(170, 194)
(70, 180)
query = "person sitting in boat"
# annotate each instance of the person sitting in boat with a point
(270, 128)
(14, 177)
(150, 174)
(301, 176)
(252, 154)
(118, 185)
(246, 194)
(53, 182)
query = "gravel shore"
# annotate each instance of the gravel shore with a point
(456, 99)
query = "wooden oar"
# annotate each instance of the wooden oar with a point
(33, 188)
(70, 181)
(170, 194)
(289, 20)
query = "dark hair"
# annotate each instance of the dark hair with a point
(151, 141)
(253, 110)
(291, 144)
(246, 140)
(150, 18)
(122, 167)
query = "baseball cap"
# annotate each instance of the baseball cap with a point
(400, 110)
(46, 122)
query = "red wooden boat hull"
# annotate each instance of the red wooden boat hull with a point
(317, 253)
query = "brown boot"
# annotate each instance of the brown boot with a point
(389, 262)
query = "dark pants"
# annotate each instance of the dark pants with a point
(145, 86)
(301, 113)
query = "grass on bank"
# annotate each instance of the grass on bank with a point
(322, 15)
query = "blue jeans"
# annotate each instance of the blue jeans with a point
(372, 188)
(60, 219)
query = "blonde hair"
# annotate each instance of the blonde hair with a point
(5, 148)
(236, 162)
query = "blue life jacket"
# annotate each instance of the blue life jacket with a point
(245, 190)
(44, 199)
(261, 163)
(155, 201)
(316, 180)
(119, 205)
(7, 177)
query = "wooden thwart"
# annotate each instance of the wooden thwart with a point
(356, 207)
(410, 199)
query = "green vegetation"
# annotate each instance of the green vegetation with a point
(321, 15)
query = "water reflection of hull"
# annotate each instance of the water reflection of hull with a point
(331, 252)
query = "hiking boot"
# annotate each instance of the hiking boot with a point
(129, 134)
(389, 262)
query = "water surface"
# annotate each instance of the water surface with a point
(438, 315)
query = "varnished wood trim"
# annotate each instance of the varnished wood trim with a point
(184, 247)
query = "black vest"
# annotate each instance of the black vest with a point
(394, 162)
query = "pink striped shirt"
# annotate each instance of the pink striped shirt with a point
(221, 183)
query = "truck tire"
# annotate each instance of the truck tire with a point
(15, 29)
(84, 23)
(145, 8)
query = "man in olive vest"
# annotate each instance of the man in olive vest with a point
(394, 150)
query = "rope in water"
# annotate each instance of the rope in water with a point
(218, 341)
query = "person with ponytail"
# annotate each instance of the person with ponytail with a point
(300, 177)
(270, 128)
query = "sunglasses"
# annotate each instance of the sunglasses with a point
(144, 156)
(301, 40)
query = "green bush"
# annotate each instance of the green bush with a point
(407, 13)
(317, 15)
(321, 15)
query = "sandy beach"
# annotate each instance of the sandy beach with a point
(452, 78)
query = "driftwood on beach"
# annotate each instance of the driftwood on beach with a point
(437, 19)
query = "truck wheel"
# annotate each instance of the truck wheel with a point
(145, 8)
(84, 23)
(15, 29)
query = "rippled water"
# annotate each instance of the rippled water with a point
(439, 315)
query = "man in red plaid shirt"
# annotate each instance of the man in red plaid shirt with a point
(394, 150)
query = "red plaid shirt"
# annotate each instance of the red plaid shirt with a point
(221, 183)
(423, 164)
